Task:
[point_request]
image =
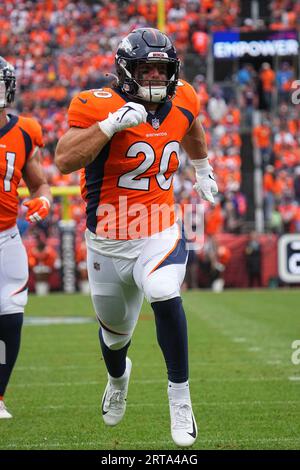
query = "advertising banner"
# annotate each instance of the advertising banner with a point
(234, 45)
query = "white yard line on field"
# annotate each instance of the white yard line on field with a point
(136, 365)
(239, 339)
(145, 381)
(45, 321)
(164, 405)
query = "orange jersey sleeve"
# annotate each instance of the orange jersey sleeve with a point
(91, 106)
(186, 98)
(17, 142)
(33, 128)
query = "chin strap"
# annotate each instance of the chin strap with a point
(146, 93)
(152, 94)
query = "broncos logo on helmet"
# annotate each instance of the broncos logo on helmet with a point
(7, 83)
(147, 46)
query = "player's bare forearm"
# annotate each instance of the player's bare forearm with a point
(42, 190)
(194, 142)
(35, 178)
(79, 147)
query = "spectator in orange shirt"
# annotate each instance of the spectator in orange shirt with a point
(271, 186)
(289, 212)
(200, 41)
(262, 139)
(42, 259)
(223, 258)
(267, 79)
(214, 220)
(213, 260)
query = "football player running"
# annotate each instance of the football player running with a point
(125, 139)
(20, 139)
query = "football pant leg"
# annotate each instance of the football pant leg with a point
(116, 298)
(13, 275)
(160, 269)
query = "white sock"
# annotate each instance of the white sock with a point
(179, 391)
(118, 380)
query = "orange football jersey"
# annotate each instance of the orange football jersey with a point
(128, 187)
(18, 138)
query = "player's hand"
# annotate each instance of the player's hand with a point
(38, 209)
(130, 115)
(205, 184)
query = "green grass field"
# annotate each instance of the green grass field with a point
(245, 389)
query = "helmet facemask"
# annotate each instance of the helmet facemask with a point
(150, 90)
(3, 99)
(141, 48)
(7, 83)
(154, 90)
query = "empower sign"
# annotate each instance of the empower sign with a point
(235, 45)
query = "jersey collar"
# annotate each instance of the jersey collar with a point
(9, 125)
(156, 119)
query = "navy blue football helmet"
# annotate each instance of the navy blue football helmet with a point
(8, 81)
(147, 46)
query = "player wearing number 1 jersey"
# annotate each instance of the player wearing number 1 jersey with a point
(20, 139)
(125, 140)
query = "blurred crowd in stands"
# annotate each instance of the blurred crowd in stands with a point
(60, 47)
(277, 136)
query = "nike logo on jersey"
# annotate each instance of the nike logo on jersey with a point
(14, 235)
(211, 177)
(82, 100)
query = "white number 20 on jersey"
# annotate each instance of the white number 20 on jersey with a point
(129, 180)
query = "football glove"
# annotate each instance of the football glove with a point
(205, 184)
(130, 115)
(38, 209)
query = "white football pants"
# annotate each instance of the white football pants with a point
(118, 285)
(13, 272)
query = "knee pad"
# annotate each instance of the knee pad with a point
(117, 310)
(116, 329)
(110, 305)
(158, 288)
(115, 342)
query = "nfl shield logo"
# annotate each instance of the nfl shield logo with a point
(155, 123)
